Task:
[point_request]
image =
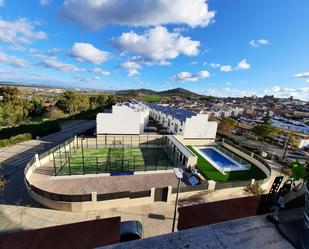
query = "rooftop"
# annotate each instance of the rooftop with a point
(254, 232)
(180, 114)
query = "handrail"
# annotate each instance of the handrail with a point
(249, 153)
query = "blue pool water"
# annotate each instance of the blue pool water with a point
(218, 158)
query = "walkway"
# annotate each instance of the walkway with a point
(156, 218)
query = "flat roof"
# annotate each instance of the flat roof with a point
(184, 150)
(180, 114)
(253, 232)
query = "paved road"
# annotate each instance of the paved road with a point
(269, 148)
(20, 153)
(13, 159)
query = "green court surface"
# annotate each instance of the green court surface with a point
(211, 173)
(106, 160)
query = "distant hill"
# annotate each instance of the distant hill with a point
(178, 92)
(172, 92)
(137, 91)
(155, 96)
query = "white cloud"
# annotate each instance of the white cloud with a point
(243, 65)
(87, 52)
(186, 76)
(301, 75)
(19, 33)
(101, 71)
(132, 66)
(215, 65)
(12, 60)
(285, 92)
(1, 3)
(226, 68)
(157, 44)
(132, 72)
(60, 66)
(228, 92)
(86, 79)
(94, 14)
(258, 43)
(44, 2)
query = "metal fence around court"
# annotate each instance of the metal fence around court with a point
(153, 154)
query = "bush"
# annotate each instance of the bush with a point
(41, 129)
(253, 189)
(15, 139)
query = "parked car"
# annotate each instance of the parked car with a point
(131, 230)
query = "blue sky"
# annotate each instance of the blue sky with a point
(217, 47)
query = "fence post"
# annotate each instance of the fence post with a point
(133, 163)
(97, 165)
(60, 156)
(69, 160)
(131, 141)
(83, 159)
(55, 169)
(96, 142)
(65, 152)
(114, 142)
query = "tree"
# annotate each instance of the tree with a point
(37, 108)
(264, 131)
(72, 102)
(93, 101)
(111, 100)
(227, 125)
(101, 100)
(54, 112)
(10, 94)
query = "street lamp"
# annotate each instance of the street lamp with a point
(179, 174)
(82, 145)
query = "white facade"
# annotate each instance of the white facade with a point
(196, 126)
(122, 120)
(133, 117)
(199, 127)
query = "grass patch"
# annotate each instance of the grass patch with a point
(210, 172)
(105, 160)
(152, 98)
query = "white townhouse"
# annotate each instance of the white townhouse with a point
(128, 118)
(183, 122)
(131, 118)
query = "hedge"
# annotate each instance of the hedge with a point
(41, 129)
(15, 139)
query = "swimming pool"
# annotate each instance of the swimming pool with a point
(220, 160)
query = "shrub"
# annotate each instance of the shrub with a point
(15, 139)
(41, 129)
(253, 189)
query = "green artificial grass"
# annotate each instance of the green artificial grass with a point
(211, 173)
(105, 160)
